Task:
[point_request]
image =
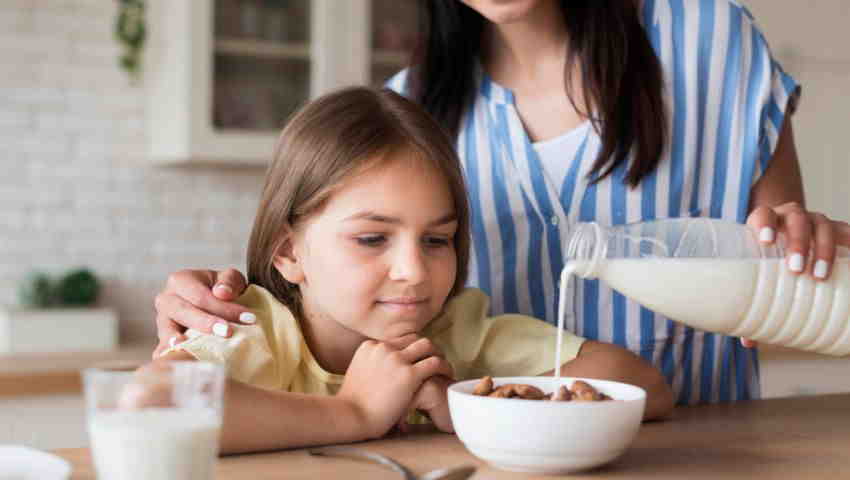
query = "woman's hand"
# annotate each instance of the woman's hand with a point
(810, 237)
(381, 381)
(805, 233)
(201, 300)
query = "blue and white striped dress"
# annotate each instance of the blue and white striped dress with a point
(727, 99)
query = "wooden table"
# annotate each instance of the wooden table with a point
(794, 438)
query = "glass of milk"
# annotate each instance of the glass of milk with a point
(160, 423)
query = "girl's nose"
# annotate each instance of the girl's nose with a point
(409, 265)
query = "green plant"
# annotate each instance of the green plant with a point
(36, 291)
(77, 288)
(131, 31)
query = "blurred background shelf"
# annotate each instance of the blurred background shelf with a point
(392, 58)
(31, 374)
(262, 49)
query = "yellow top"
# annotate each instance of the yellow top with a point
(273, 354)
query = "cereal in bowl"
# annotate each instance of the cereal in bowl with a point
(580, 391)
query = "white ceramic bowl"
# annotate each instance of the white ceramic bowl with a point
(546, 437)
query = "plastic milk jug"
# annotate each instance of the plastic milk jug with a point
(716, 276)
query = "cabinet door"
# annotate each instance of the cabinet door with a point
(224, 75)
(262, 62)
(393, 36)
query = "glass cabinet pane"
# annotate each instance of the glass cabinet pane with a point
(261, 62)
(281, 21)
(394, 35)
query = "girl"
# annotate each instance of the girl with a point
(357, 262)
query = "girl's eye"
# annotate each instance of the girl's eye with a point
(436, 242)
(371, 240)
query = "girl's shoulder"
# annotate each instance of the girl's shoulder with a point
(468, 305)
(466, 301)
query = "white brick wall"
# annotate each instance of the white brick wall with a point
(810, 40)
(75, 184)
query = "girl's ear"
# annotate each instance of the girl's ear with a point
(286, 261)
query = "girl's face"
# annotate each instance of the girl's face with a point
(379, 257)
(504, 11)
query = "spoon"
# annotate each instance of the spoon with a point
(454, 473)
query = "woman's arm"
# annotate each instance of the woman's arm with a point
(611, 362)
(781, 182)
(777, 202)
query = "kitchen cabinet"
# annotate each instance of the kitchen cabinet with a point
(222, 76)
(790, 373)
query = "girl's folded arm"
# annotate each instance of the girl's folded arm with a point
(257, 419)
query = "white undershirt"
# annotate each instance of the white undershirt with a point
(557, 154)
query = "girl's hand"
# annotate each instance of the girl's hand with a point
(381, 381)
(432, 398)
(201, 300)
(805, 233)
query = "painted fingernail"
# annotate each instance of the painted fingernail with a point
(221, 329)
(172, 342)
(248, 317)
(767, 235)
(223, 288)
(821, 268)
(795, 263)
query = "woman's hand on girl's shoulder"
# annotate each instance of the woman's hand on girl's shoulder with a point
(198, 299)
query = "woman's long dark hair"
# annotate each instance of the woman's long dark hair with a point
(622, 80)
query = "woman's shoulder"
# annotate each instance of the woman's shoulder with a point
(706, 13)
(398, 82)
(703, 34)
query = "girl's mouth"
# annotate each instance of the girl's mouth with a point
(403, 304)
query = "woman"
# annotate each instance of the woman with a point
(608, 111)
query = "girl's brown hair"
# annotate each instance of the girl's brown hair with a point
(327, 142)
